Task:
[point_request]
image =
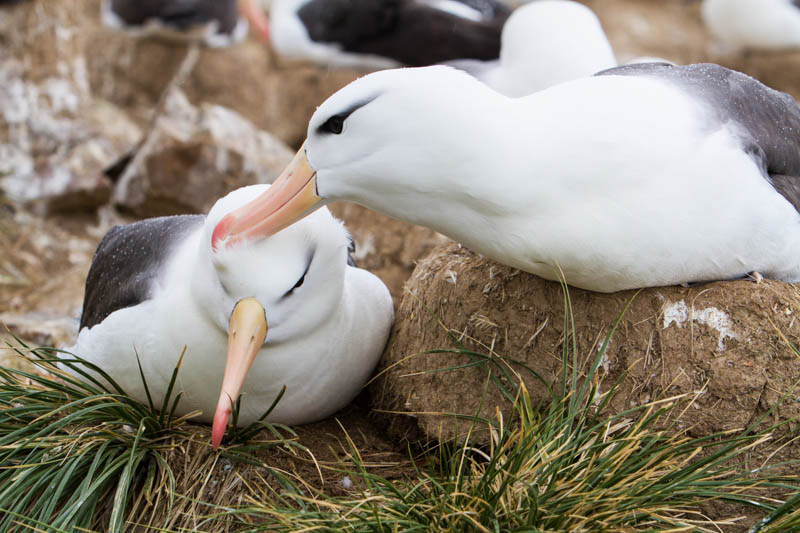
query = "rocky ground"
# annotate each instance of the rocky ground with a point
(98, 129)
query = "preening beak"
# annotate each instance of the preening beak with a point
(246, 334)
(255, 15)
(291, 197)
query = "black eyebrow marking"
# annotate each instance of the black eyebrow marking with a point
(346, 113)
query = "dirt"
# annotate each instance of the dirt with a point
(42, 271)
(204, 475)
(727, 341)
(724, 345)
(387, 247)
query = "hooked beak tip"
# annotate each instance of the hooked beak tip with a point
(219, 425)
(221, 231)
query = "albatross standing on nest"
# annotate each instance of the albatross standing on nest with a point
(288, 308)
(642, 175)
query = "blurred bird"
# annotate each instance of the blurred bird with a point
(289, 310)
(376, 34)
(215, 23)
(545, 43)
(753, 24)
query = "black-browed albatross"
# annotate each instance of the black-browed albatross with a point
(377, 34)
(216, 23)
(643, 175)
(289, 308)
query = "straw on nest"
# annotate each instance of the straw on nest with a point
(78, 455)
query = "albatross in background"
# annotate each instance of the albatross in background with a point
(378, 34)
(754, 24)
(215, 22)
(545, 43)
(289, 308)
(643, 175)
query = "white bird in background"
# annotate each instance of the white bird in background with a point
(545, 43)
(289, 311)
(644, 175)
(753, 24)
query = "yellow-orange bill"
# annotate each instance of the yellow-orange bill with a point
(246, 334)
(291, 197)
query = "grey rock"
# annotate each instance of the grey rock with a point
(193, 156)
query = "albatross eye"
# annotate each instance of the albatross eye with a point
(296, 285)
(301, 280)
(334, 125)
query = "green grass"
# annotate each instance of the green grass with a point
(784, 518)
(569, 467)
(72, 450)
(81, 455)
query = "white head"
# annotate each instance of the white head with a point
(387, 141)
(756, 24)
(547, 42)
(287, 285)
(297, 274)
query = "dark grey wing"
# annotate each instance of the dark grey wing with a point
(181, 14)
(768, 120)
(348, 22)
(128, 260)
(408, 31)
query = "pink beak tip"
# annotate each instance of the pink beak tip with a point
(218, 427)
(221, 231)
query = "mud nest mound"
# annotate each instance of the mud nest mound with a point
(727, 343)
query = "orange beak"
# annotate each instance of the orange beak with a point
(255, 15)
(291, 197)
(246, 334)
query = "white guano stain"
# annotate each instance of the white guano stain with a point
(679, 313)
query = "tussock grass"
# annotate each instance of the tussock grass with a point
(81, 455)
(784, 518)
(562, 471)
(569, 467)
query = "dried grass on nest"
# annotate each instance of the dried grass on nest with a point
(78, 457)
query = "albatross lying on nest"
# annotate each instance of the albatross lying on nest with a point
(289, 310)
(376, 34)
(643, 175)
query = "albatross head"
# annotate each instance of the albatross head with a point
(397, 141)
(268, 291)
